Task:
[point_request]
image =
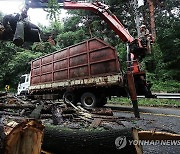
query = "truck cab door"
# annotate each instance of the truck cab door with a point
(23, 85)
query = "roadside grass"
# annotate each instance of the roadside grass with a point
(147, 102)
(170, 86)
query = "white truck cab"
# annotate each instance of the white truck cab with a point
(23, 85)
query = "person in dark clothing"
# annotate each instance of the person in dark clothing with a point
(10, 21)
(19, 29)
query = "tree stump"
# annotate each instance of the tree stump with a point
(25, 138)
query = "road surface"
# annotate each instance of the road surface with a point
(159, 119)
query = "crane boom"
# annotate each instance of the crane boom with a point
(103, 11)
(99, 8)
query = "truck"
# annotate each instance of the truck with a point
(90, 71)
(87, 72)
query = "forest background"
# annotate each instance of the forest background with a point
(162, 66)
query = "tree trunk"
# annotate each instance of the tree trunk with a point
(152, 18)
(25, 138)
(67, 141)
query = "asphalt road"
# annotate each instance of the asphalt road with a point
(152, 118)
(153, 110)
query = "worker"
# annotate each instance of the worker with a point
(144, 33)
(19, 29)
(8, 26)
(146, 38)
(10, 21)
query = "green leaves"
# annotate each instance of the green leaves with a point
(53, 10)
(81, 25)
(69, 38)
(43, 47)
(14, 62)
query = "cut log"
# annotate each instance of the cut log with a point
(14, 106)
(68, 110)
(68, 141)
(9, 113)
(35, 114)
(102, 111)
(46, 116)
(25, 138)
(9, 127)
(20, 101)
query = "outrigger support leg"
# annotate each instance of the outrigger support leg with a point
(132, 92)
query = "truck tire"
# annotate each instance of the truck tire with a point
(69, 97)
(89, 100)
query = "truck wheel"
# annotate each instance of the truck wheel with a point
(69, 97)
(89, 100)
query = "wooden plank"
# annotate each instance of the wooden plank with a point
(102, 111)
(136, 137)
(95, 123)
(153, 135)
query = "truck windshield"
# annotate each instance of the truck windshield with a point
(22, 79)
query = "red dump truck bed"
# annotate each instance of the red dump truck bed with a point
(89, 59)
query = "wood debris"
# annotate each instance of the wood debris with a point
(68, 128)
(22, 138)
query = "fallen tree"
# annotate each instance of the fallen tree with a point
(94, 141)
(22, 138)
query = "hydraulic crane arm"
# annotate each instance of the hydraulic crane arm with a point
(101, 9)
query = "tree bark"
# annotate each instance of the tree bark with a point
(67, 141)
(25, 138)
(152, 18)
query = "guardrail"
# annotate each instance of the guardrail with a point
(165, 95)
